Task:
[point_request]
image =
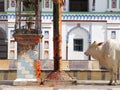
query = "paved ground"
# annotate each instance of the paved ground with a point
(82, 85)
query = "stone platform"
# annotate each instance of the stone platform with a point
(90, 72)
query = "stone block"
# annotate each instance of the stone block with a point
(29, 76)
(70, 74)
(82, 75)
(96, 75)
(107, 75)
(12, 75)
(1, 75)
(95, 65)
(65, 65)
(4, 64)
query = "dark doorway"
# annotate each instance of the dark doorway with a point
(3, 44)
(78, 5)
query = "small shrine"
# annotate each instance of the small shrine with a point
(28, 36)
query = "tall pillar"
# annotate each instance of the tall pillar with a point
(57, 32)
(58, 76)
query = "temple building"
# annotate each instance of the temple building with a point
(83, 21)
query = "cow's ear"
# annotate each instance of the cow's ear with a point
(99, 44)
(94, 43)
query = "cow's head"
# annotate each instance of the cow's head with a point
(93, 49)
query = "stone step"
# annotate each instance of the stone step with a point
(79, 75)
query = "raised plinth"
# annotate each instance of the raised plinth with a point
(59, 78)
(25, 82)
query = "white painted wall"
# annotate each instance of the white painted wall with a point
(66, 6)
(90, 5)
(11, 46)
(64, 33)
(98, 32)
(47, 26)
(100, 5)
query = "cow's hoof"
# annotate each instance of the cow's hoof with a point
(115, 84)
(110, 83)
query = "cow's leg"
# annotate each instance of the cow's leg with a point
(115, 78)
(111, 78)
(115, 75)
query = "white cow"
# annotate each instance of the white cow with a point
(108, 54)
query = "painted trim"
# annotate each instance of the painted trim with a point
(113, 28)
(82, 17)
(84, 20)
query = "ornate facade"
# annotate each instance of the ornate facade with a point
(92, 20)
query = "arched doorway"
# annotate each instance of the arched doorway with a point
(77, 42)
(3, 44)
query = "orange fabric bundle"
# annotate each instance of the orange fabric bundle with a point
(38, 70)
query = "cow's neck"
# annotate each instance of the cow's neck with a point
(98, 55)
(102, 58)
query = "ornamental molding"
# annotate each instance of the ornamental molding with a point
(70, 17)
